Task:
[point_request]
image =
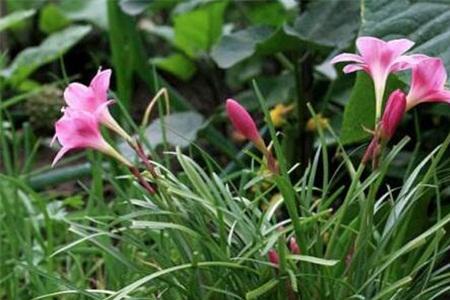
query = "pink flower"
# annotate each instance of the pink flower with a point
(393, 114)
(293, 246)
(427, 83)
(273, 257)
(79, 130)
(379, 58)
(94, 99)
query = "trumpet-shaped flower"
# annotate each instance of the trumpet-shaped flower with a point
(94, 99)
(393, 114)
(379, 58)
(78, 130)
(427, 83)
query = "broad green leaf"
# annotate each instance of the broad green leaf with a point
(240, 45)
(134, 7)
(267, 13)
(27, 61)
(235, 47)
(176, 64)
(52, 19)
(181, 129)
(197, 30)
(14, 18)
(331, 23)
(93, 11)
(426, 23)
(359, 113)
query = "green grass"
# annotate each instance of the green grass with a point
(203, 236)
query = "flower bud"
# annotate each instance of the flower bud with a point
(372, 152)
(243, 122)
(393, 114)
(273, 257)
(293, 246)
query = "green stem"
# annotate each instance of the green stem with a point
(343, 210)
(283, 181)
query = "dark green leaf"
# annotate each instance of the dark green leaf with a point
(267, 13)
(235, 47)
(50, 49)
(240, 45)
(359, 112)
(197, 30)
(176, 64)
(52, 19)
(93, 11)
(331, 23)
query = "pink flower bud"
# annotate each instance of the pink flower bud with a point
(372, 152)
(79, 130)
(293, 246)
(273, 257)
(243, 122)
(393, 114)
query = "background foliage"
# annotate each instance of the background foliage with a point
(84, 230)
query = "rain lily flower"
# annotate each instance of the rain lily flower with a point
(94, 99)
(78, 130)
(243, 122)
(379, 58)
(427, 83)
(393, 114)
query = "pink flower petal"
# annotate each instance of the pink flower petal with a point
(407, 61)
(439, 96)
(344, 57)
(353, 68)
(80, 97)
(78, 129)
(399, 46)
(100, 85)
(428, 77)
(59, 155)
(370, 48)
